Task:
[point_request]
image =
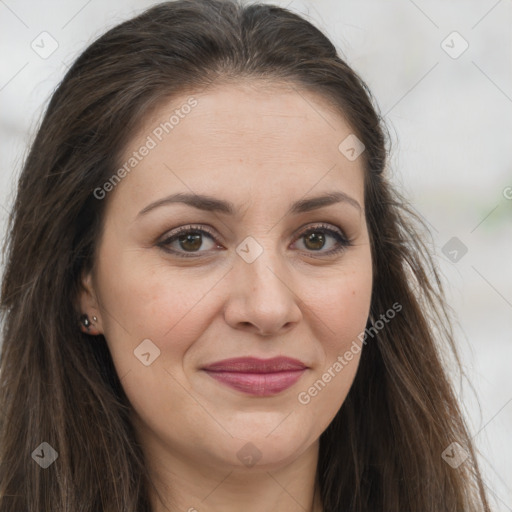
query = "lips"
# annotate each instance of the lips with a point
(255, 365)
(260, 377)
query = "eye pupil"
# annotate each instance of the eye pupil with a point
(190, 237)
(318, 240)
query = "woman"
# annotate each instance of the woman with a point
(213, 297)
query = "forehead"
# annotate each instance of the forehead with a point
(241, 136)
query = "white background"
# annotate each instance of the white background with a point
(451, 126)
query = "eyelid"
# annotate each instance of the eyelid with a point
(312, 226)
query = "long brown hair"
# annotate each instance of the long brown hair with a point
(383, 450)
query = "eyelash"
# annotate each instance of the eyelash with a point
(322, 228)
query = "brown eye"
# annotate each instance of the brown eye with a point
(188, 241)
(314, 241)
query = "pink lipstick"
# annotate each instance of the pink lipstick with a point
(259, 377)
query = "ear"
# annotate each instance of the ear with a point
(88, 304)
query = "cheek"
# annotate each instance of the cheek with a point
(167, 307)
(341, 311)
(343, 306)
(143, 300)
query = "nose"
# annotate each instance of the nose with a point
(261, 297)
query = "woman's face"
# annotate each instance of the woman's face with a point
(264, 272)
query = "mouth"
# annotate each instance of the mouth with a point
(258, 377)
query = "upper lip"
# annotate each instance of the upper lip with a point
(256, 365)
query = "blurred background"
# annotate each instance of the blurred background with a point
(441, 73)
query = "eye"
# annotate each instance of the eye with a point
(187, 240)
(315, 239)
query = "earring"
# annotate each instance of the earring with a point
(84, 320)
(86, 323)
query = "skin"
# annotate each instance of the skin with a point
(261, 147)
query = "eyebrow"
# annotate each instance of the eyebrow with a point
(212, 204)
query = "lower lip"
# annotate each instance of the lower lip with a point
(258, 384)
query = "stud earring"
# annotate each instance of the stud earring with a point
(84, 320)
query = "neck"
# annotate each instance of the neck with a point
(187, 485)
